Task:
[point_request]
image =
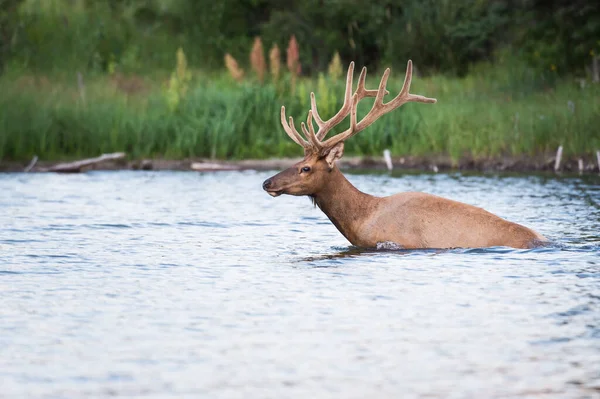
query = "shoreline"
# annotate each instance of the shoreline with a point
(441, 163)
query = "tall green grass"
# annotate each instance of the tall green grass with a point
(494, 111)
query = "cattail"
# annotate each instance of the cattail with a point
(335, 67)
(236, 72)
(257, 59)
(293, 56)
(293, 61)
(275, 62)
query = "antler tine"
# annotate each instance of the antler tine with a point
(291, 130)
(326, 126)
(352, 130)
(381, 90)
(404, 96)
(353, 111)
(313, 107)
(422, 99)
(309, 123)
(407, 79)
(310, 133)
(361, 90)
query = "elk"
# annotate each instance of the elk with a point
(409, 219)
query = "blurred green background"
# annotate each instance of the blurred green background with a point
(185, 78)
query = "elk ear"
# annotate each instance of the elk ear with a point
(334, 154)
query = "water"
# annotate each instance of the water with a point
(159, 285)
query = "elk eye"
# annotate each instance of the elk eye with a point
(306, 169)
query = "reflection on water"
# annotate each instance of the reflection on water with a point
(201, 285)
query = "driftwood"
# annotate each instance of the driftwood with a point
(76, 166)
(212, 167)
(542, 162)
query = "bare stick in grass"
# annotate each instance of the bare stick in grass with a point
(558, 158)
(388, 159)
(31, 164)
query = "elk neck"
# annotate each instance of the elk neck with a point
(345, 205)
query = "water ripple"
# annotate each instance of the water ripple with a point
(158, 285)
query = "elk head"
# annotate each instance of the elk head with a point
(311, 174)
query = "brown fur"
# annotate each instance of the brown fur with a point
(411, 219)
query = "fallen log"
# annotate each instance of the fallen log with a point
(76, 166)
(212, 167)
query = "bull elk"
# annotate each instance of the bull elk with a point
(410, 219)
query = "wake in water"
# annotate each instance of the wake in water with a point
(389, 247)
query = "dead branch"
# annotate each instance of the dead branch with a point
(74, 167)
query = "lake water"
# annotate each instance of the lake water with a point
(180, 284)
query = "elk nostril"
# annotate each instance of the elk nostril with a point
(267, 184)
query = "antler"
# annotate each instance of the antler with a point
(378, 109)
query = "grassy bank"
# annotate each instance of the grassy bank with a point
(494, 111)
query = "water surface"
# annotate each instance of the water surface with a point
(179, 284)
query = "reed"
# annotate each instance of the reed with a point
(235, 71)
(335, 69)
(275, 63)
(495, 111)
(257, 60)
(293, 61)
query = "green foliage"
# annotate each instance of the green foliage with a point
(490, 112)
(179, 82)
(133, 35)
(561, 36)
(335, 70)
(445, 36)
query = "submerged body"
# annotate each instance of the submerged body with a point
(416, 220)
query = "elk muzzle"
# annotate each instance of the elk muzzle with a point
(284, 182)
(267, 187)
(267, 184)
(271, 187)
